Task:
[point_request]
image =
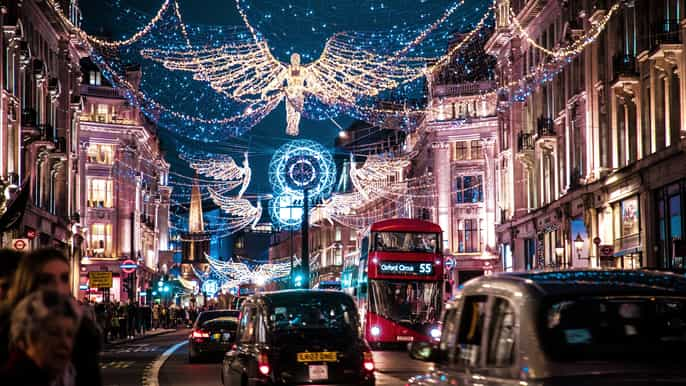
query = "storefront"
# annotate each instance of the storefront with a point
(669, 213)
(622, 219)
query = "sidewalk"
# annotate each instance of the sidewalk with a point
(148, 334)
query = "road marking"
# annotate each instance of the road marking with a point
(152, 371)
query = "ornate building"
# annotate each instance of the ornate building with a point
(590, 155)
(39, 107)
(123, 185)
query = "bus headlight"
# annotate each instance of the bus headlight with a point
(376, 331)
(435, 333)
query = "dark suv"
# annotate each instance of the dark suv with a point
(213, 333)
(299, 337)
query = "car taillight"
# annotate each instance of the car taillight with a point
(368, 361)
(199, 334)
(263, 363)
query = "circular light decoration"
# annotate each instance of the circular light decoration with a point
(296, 166)
(286, 210)
(210, 287)
(302, 164)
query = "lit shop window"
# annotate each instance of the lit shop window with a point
(101, 154)
(94, 78)
(100, 193)
(100, 239)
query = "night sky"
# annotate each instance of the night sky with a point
(301, 26)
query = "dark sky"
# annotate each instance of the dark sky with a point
(289, 26)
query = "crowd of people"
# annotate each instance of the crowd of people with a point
(48, 338)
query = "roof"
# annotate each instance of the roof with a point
(296, 293)
(405, 225)
(588, 282)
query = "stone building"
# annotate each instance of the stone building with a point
(123, 191)
(39, 108)
(590, 149)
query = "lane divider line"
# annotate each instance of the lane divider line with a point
(152, 372)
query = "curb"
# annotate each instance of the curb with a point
(139, 337)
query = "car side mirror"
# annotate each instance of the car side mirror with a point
(425, 351)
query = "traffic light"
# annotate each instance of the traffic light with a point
(298, 281)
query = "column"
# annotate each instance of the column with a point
(627, 139)
(668, 130)
(443, 177)
(489, 182)
(614, 144)
(653, 110)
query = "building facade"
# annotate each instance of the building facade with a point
(123, 189)
(590, 155)
(39, 107)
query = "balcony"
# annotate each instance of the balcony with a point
(545, 127)
(665, 32)
(28, 117)
(624, 65)
(525, 142)
(463, 89)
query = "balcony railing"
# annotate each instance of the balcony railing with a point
(28, 117)
(665, 32)
(525, 142)
(624, 65)
(464, 89)
(545, 127)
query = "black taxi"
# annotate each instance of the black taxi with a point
(299, 337)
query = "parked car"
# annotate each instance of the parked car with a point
(213, 334)
(589, 327)
(299, 337)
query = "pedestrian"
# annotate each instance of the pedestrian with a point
(48, 269)
(42, 331)
(156, 316)
(9, 260)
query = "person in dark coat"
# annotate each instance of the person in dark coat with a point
(9, 260)
(48, 269)
(42, 331)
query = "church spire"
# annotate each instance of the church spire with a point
(195, 221)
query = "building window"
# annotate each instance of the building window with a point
(100, 193)
(94, 78)
(468, 236)
(338, 234)
(338, 256)
(461, 151)
(670, 214)
(102, 112)
(469, 189)
(100, 239)
(477, 150)
(353, 235)
(101, 154)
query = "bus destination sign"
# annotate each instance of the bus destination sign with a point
(406, 268)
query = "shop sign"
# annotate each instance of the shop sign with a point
(128, 266)
(100, 279)
(628, 187)
(20, 244)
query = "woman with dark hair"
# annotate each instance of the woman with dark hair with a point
(42, 330)
(48, 269)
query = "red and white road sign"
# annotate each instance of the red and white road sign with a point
(20, 244)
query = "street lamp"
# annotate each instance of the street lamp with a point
(578, 244)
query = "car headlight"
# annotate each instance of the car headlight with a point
(376, 331)
(435, 333)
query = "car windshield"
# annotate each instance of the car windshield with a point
(314, 311)
(208, 315)
(406, 242)
(412, 302)
(608, 328)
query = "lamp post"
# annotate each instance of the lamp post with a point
(578, 244)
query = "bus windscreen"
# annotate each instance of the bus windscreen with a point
(406, 242)
(413, 303)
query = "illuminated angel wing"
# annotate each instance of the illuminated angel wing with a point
(245, 72)
(343, 73)
(377, 174)
(240, 208)
(223, 168)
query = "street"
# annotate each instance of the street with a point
(140, 363)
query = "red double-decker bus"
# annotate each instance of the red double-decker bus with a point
(400, 281)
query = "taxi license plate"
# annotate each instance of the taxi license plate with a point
(216, 336)
(405, 338)
(318, 372)
(326, 356)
